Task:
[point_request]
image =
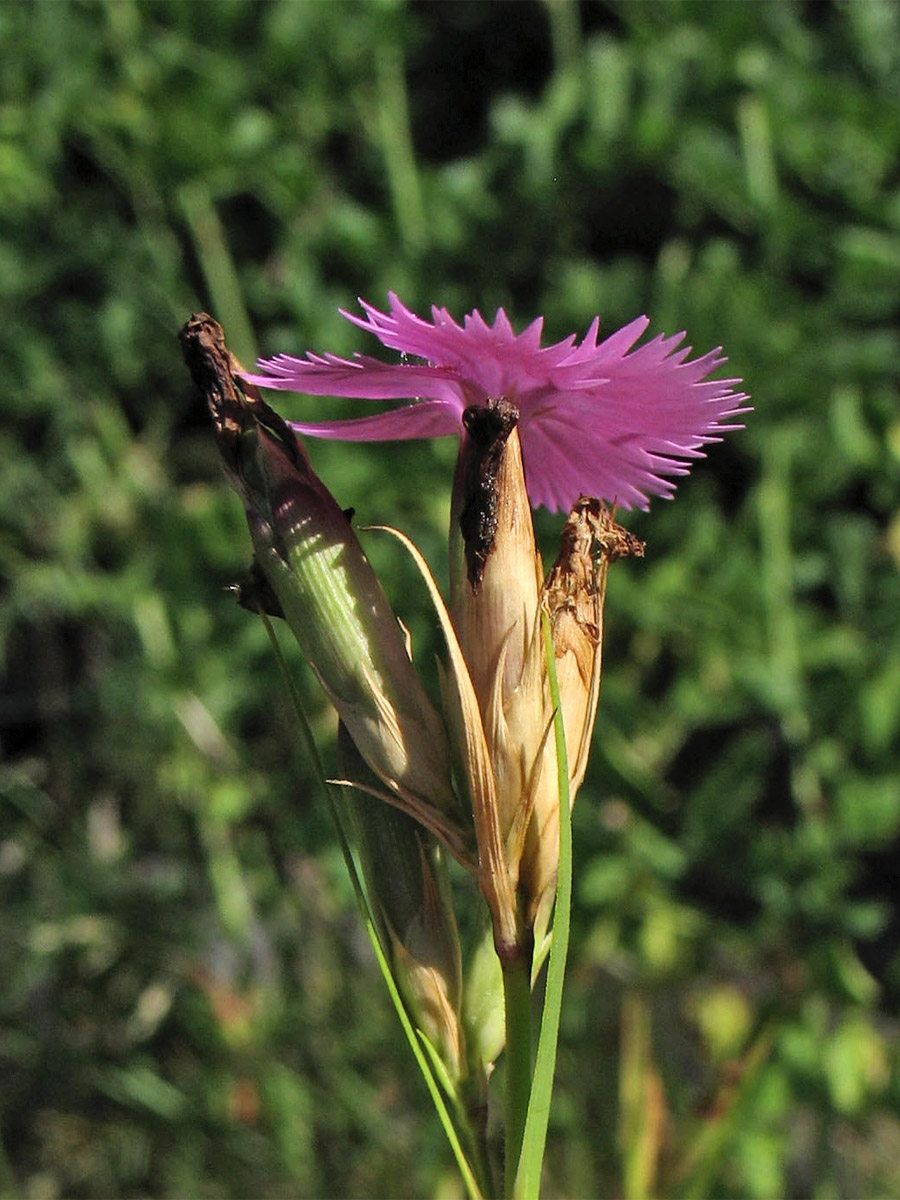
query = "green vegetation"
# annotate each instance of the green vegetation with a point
(188, 1004)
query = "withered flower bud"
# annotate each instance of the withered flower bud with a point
(495, 604)
(496, 600)
(315, 568)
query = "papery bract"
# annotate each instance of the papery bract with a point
(601, 419)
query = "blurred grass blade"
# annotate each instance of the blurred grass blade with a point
(695, 1176)
(217, 266)
(528, 1179)
(641, 1104)
(395, 136)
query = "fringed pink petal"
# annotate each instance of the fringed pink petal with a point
(608, 418)
(426, 419)
(362, 378)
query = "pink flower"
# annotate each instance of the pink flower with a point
(596, 419)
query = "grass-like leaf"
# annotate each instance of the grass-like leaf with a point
(528, 1178)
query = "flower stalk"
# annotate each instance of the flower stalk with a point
(517, 1085)
(495, 575)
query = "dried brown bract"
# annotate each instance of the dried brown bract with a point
(573, 596)
(576, 583)
(487, 431)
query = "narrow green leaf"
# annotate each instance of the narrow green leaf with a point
(518, 1083)
(528, 1180)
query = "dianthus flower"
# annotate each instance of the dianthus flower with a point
(599, 419)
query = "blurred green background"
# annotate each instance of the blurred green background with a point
(188, 1005)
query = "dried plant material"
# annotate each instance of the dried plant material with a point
(497, 621)
(487, 430)
(573, 596)
(496, 876)
(317, 575)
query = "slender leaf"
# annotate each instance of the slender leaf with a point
(528, 1180)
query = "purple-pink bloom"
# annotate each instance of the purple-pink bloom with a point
(596, 419)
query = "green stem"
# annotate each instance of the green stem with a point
(517, 1006)
(476, 1119)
